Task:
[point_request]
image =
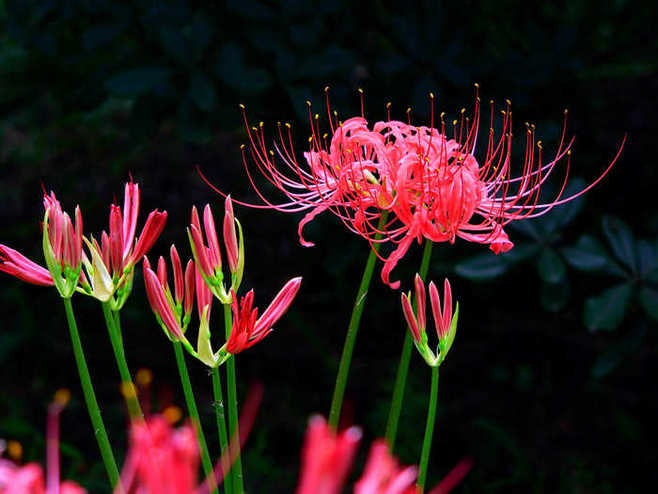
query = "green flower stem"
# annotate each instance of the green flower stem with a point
(352, 329)
(194, 416)
(127, 386)
(429, 430)
(221, 426)
(232, 398)
(403, 366)
(90, 398)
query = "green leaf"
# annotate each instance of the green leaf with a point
(138, 81)
(606, 311)
(551, 268)
(484, 266)
(202, 91)
(233, 71)
(587, 255)
(647, 255)
(649, 299)
(175, 44)
(621, 241)
(606, 362)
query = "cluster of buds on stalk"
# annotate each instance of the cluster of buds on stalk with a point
(111, 265)
(208, 257)
(205, 277)
(444, 320)
(62, 245)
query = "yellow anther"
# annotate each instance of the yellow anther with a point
(260, 124)
(508, 102)
(317, 116)
(360, 91)
(62, 396)
(431, 95)
(491, 102)
(490, 130)
(325, 135)
(308, 102)
(173, 414)
(409, 110)
(14, 450)
(566, 111)
(462, 110)
(128, 390)
(242, 106)
(144, 377)
(569, 152)
(388, 105)
(503, 112)
(454, 122)
(476, 85)
(335, 113)
(288, 125)
(539, 145)
(254, 129)
(241, 146)
(310, 139)
(326, 88)
(271, 152)
(443, 114)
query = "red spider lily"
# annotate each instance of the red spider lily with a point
(208, 257)
(383, 475)
(162, 459)
(110, 270)
(444, 321)
(327, 458)
(29, 479)
(248, 329)
(430, 180)
(62, 248)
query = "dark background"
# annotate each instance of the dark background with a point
(550, 384)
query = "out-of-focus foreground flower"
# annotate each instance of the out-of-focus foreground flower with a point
(327, 458)
(427, 180)
(29, 479)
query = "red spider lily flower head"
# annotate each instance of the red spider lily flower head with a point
(62, 248)
(384, 475)
(161, 459)
(444, 320)
(110, 265)
(326, 458)
(427, 180)
(207, 253)
(29, 479)
(248, 329)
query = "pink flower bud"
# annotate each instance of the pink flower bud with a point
(230, 238)
(178, 275)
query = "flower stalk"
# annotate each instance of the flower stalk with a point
(221, 428)
(90, 397)
(194, 416)
(429, 430)
(352, 330)
(403, 366)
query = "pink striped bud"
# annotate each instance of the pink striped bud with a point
(152, 229)
(178, 275)
(214, 254)
(230, 238)
(130, 213)
(162, 273)
(160, 305)
(442, 318)
(116, 240)
(410, 317)
(189, 288)
(420, 302)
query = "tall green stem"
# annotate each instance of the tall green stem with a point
(221, 427)
(194, 416)
(127, 386)
(90, 398)
(232, 397)
(352, 330)
(429, 430)
(403, 366)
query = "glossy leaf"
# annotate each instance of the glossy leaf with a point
(587, 255)
(621, 241)
(606, 311)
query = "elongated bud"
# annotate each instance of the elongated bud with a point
(230, 238)
(130, 213)
(162, 272)
(279, 305)
(178, 275)
(161, 306)
(410, 317)
(442, 317)
(420, 302)
(152, 229)
(189, 287)
(116, 239)
(203, 294)
(214, 254)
